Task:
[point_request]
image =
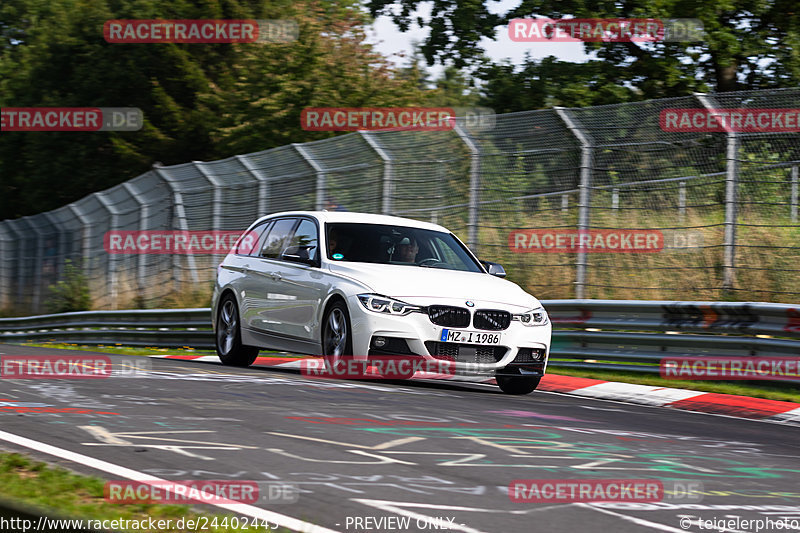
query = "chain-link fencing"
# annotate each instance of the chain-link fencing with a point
(554, 195)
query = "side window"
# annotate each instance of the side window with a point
(276, 238)
(304, 242)
(251, 243)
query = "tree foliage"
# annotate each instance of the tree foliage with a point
(748, 44)
(200, 101)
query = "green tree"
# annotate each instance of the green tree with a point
(200, 101)
(331, 65)
(550, 82)
(748, 44)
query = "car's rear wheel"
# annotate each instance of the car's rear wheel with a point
(337, 342)
(229, 345)
(517, 384)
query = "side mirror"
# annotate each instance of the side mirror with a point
(495, 269)
(300, 254)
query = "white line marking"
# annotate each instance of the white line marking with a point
(240, 508)
(404, 509)
(638, 521)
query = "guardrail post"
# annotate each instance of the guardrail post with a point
(474, 186)
(584, 196)
(321, 178)
(731, 192)
(263, 184)
(794, 194)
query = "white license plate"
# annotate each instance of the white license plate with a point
(469, 337)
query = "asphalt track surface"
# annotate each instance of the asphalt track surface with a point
(425, 453)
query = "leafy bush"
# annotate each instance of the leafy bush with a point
(71, 293)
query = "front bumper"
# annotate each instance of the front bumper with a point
(521, 349)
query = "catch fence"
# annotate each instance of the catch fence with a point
(518, 188)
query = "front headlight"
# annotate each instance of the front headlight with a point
(534, 317)
(382, 304)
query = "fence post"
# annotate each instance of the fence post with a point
(794, 194)
(263, 184)
(86, 237)
(321, 178)
(388, 172)
(216, 186)
(682, 201)
(144, 213)
(5, 256)
(474, 186)
(37, 263)
(731, 191)
(584, 196)
(113, 259)
(61, 242)
(180, 213)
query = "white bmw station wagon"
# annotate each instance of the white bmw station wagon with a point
(355, 285)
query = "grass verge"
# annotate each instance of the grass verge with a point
(73, 496)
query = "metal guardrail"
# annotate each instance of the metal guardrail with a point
(739, 318)
(610, 334)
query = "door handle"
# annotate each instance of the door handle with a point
(276, 276)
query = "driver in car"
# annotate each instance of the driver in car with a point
(407, 250)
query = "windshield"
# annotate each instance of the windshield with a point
(397, 245)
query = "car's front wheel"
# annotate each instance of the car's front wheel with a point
(337, 342)
(229, 345)
(517, 385)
